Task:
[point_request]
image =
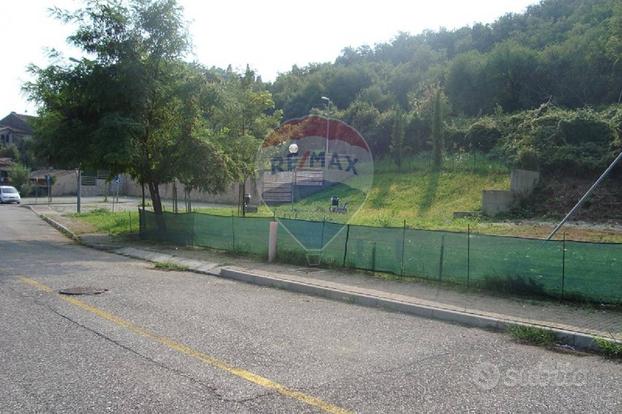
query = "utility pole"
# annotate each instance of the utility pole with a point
(328, 102)
(79, 179)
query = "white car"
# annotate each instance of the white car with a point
(9, 194)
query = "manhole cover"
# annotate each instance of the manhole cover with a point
(82, 291)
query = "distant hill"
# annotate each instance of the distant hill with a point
(565, 51)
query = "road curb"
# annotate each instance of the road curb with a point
(577, 340)
(61, 228)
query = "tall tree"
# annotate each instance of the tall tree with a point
(119, 108)
(200, 159)
(241, 121)
(437, 130)
(398, 148)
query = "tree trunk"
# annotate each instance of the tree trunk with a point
(437, 132)
(187, 191)
(175, 209)
(243, 193)
(142, 187)
(156, 202)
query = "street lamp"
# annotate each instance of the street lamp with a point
(78, 192)
(328, 102)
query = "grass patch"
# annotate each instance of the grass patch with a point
(532, 335)
(423, 197)
(105, 221)
(170, 267)
(609, 348)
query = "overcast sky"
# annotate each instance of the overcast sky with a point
(270, 35)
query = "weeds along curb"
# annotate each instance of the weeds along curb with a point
(578, 340)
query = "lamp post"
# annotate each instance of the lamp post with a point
(79, 191)
(293, 152)
(328, 102)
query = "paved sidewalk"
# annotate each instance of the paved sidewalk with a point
(604, 321)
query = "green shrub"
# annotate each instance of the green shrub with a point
(483, 135)
(20, 178)
(609, 348)
(456, 139)
(527, 158)
(170, 267)
(532, 335)
(9, 151)
(558, 140)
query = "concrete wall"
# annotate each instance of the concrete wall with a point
(100, 188)
(496, 201)
(523, 182)
(64, 184)
(229, 196)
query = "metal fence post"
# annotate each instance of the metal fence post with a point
(141, 223)
(193, 228)
(563, 264)
(345, 250)
(403, 248)
(440, 265)
(323, 225)
(232, 232)
(373, 257)
(468, 255)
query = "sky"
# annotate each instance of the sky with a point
(269, 35)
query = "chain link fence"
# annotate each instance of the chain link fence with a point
(558, 269)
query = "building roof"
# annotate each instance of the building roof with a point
(18, 122)
(6, 162)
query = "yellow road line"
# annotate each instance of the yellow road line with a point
(186, 350)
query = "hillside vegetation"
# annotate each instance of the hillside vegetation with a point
(567, 51)
(424, 197)
(419, 194)
(538, 90)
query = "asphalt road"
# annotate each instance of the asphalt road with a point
(161, 341)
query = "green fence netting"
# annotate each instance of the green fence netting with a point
(578, 270)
